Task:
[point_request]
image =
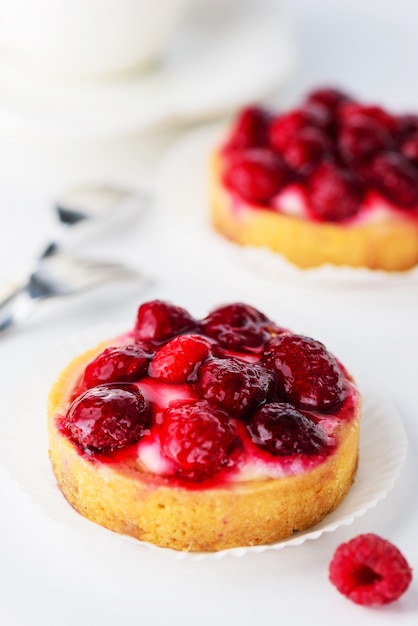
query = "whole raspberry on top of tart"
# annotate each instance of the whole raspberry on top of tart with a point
(205, 434)
(333, 181)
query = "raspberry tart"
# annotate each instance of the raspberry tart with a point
(202, 435)
(334, 181)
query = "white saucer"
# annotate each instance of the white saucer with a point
(228, 53)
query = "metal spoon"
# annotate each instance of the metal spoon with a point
(57, 276)
(79, 211)
(81, 208)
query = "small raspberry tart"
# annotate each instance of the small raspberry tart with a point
(202, 435)
(334, 181)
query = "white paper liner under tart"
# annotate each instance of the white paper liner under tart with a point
(24, 449)
(184, 195)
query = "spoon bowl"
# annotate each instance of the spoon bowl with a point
(82, 208)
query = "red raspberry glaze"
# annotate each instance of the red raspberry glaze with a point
(210, 403)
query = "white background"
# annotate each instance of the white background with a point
(52, 574)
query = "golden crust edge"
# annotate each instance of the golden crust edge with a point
(390, 245)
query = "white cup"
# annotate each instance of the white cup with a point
(87, 38)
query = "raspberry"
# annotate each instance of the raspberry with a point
(108, 417)
(370, 570)
(337, 147)
(308, 375)
(197, 438)
(239, 327)
(235, 386)
(256, 175)
(306, 149)
(157, 320)
(409, 148)
(284, 127)
(334, 194)
(396, 178)
(281, 430)
(250, 129)
(362, 137)
(115, 364)
(179, 359)
(353, 113)
(407, 125)
(328, 97)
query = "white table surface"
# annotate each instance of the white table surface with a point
(52, 574)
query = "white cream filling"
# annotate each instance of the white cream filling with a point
(292, 202)
(151, 459)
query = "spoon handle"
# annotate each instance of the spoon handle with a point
(16, 307)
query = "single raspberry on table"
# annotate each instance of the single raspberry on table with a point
(179, 359)
(370, 570)
(108, 417)
(308, 375)
(116, 364)
(239, 327)
(157, 320)
(198, 439)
